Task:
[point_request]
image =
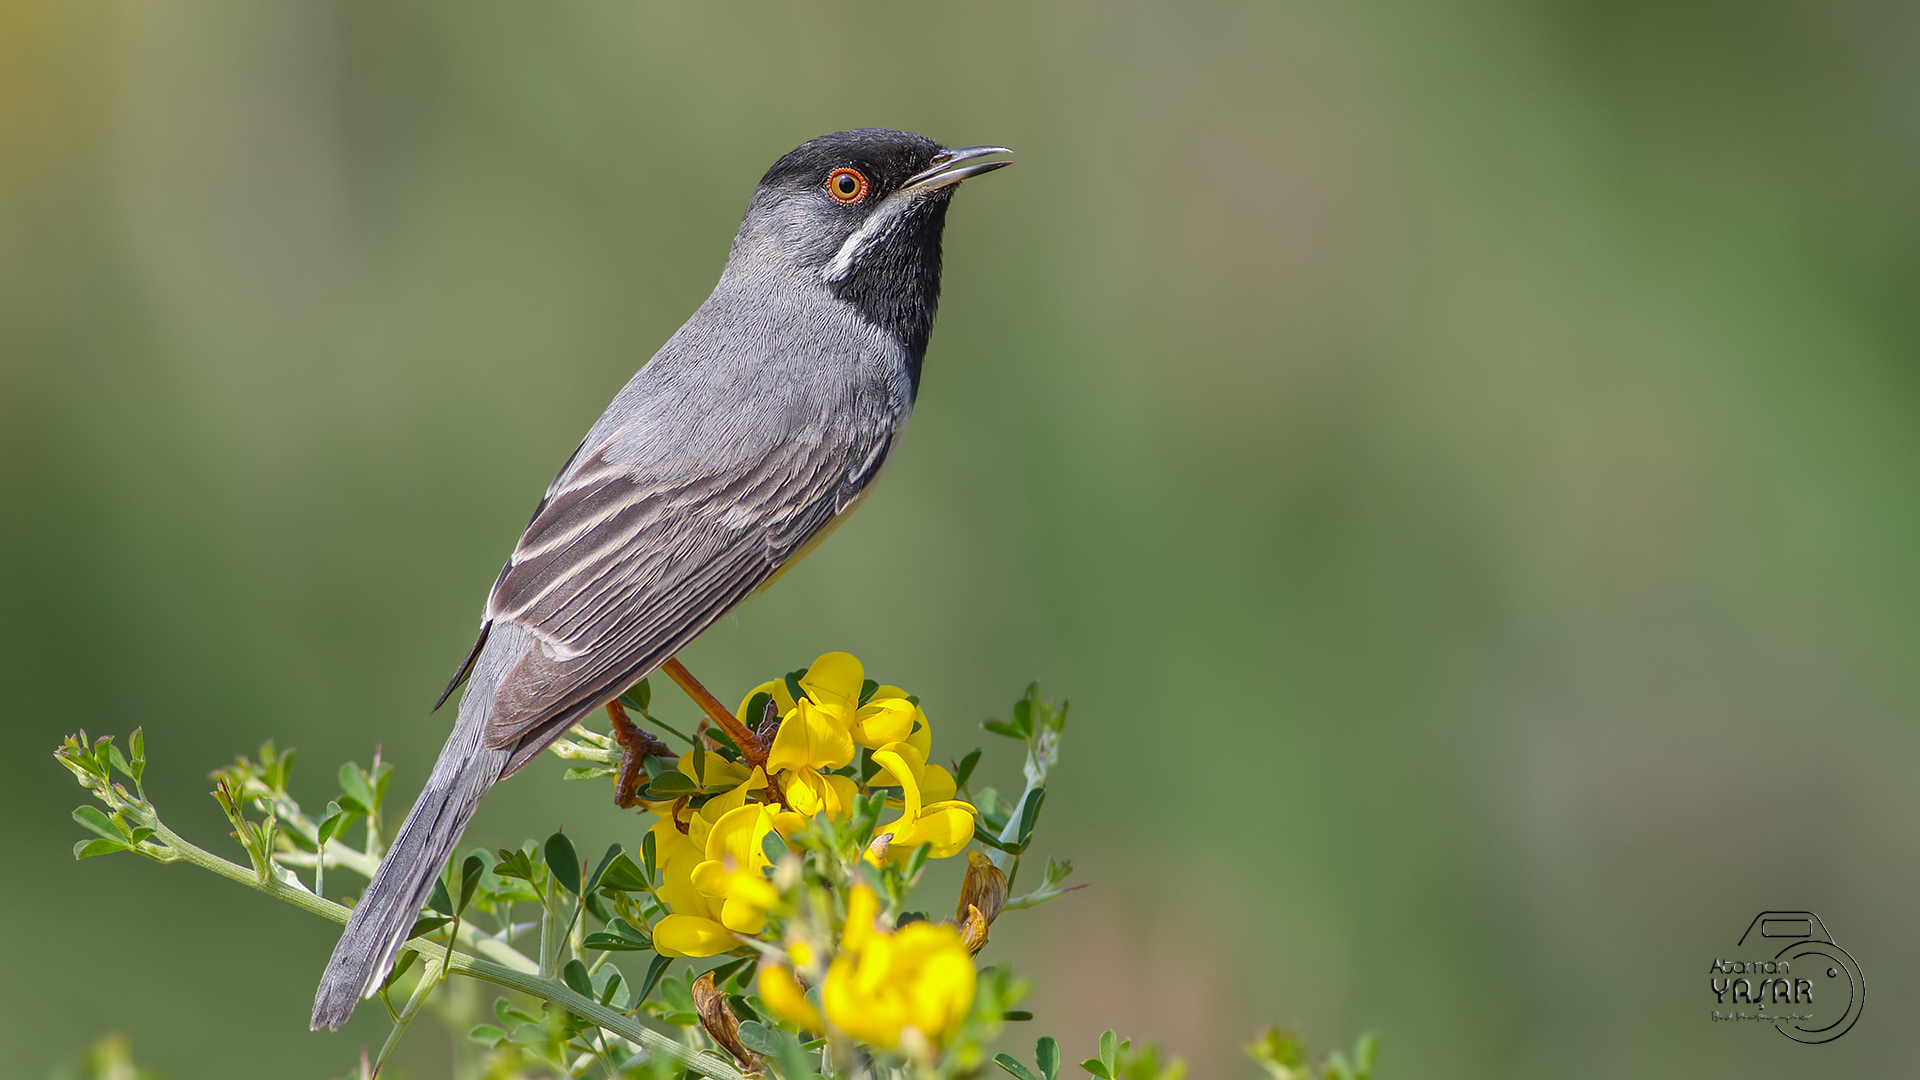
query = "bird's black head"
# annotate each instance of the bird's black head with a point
(860, 213)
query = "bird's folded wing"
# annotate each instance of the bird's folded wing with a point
(630, 557)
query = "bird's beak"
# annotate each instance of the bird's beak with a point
(950, 167)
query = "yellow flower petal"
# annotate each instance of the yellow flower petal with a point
(691, 935)
(710, 877)
(782, 994)
(676, 855)
(941, 992)
(811, 793)
(897, 762)
(739, 834)
(863, 907)
(883, 721)
(835, 679)
(812, 737)
(936, 784)
(922, 737)
(719, 770)
(782, 701)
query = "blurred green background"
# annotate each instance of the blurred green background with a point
(1459, 459)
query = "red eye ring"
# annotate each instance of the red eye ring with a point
(846, 186)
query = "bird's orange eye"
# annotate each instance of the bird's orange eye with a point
(846, 185)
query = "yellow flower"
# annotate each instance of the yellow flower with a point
(782, 994)
(711, 875)
(835, 680)
(920, 977)
(929, 813)
(863, 908)
(810, 793)
(731, 872)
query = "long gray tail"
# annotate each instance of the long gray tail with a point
(379, 924)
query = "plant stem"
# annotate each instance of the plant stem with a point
(514, 971)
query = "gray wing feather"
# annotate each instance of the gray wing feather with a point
(635, 551)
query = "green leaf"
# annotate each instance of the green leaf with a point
(1016, 1014)
(487, 1035)
(620, 875)
(119, 761)
(438, 900)
(640, 695)
(1097, 1068)
(356, 794)
(514, 864)
(1001, 727)
(964, 772)
(427, 924)
(654, 970)
(607, 985)
(773, 846)
(470, 871)
(574, 974)
(619, 936)
(678, 994)
(918, 859)
(726, 971)
(993, 841)
(600, 871)
(867, 689)
(589, 772)
(719, 735)
(401, 963)
(1046, 1054)
(758, 1038)
(509, 1016)
(648, 847)
(669, 786)
(400, 967)
(99, 824)
(564, 862)
(1030, 813)
(332, 823)
(382, 775)
(1110, 1051)
(1012, 1065)
(87, 849)
(757, 708)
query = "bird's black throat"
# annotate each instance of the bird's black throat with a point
(896, 283)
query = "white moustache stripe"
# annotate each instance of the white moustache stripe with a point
(875, 229)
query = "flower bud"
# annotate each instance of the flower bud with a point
(973, 932)
(718, 1019)
(985, 888)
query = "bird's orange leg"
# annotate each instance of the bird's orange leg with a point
(749, 743)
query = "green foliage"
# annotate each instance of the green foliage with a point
(556, 929)
(109, 1059)
(1284, 1057)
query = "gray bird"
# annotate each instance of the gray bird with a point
(753, 431)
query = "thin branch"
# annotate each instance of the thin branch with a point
(512, 969)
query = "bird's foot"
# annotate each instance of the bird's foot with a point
(635, 745)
